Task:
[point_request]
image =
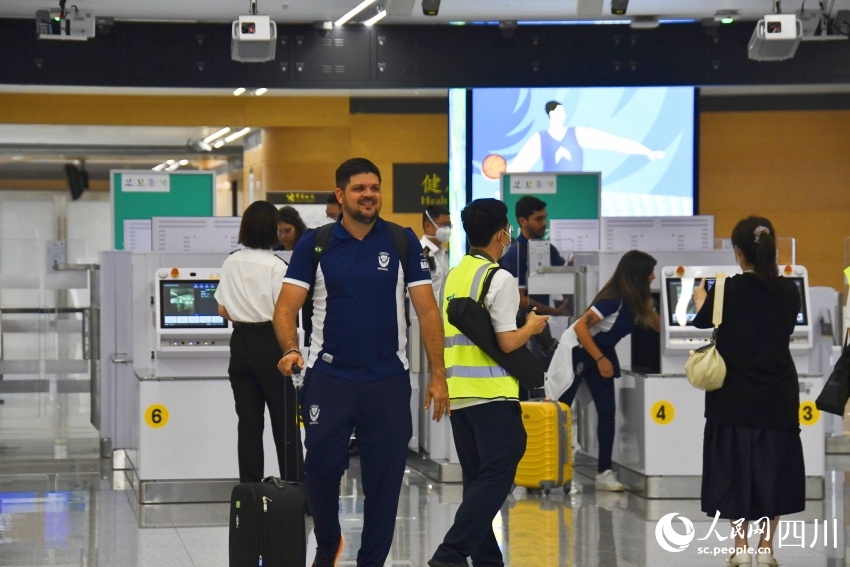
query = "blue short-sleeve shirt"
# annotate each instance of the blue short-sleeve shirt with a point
(616, 322)
(359, 329)
(516, 262)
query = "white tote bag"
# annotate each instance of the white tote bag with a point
(559, 377)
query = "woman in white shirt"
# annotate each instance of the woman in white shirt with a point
(250, 283)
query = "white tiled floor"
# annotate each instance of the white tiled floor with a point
(78, 518)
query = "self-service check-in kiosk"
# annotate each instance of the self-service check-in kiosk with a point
(192, 338)
(660, 416)
(183, 441)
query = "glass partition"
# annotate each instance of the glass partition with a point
(44, 362)
(786, 248)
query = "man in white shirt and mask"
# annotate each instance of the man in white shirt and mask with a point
(332, 209)
(437, 225)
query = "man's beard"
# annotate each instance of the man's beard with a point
(356, 215)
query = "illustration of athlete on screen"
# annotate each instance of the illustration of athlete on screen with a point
(561, 147)
(641, 140)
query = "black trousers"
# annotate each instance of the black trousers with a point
(490, 441)
(257, 383)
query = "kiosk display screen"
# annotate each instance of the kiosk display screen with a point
(189, 305)
(680, 300)
(802, 314)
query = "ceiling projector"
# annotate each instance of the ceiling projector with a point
(74, 24)
(775, 38)
(253, 39)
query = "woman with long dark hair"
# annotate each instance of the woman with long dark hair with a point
(623, 303)
(753, 466)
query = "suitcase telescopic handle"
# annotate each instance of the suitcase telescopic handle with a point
(297, 377)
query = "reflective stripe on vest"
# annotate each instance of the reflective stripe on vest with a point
(470, 372)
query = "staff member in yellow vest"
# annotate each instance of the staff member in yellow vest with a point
(486, 417)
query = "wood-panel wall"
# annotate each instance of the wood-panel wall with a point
(305, 159)
(169, 110)
(792, 167)
(395, 138)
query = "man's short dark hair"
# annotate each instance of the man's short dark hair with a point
(527, 206)
(435, 211)
(258, 228)
(552, 105)
(352, 167)
(482, 218)
(332, 200)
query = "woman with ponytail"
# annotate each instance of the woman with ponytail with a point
(753, 466)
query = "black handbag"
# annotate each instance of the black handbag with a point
(471, 318)
(836, 391)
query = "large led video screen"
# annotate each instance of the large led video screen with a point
(641, 139)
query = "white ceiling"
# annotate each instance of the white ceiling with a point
(406, 12)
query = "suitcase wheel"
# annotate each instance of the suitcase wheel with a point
(568, 486)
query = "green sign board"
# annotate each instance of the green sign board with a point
(568, 196)
(144, 194)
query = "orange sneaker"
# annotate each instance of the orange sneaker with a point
(328, 558)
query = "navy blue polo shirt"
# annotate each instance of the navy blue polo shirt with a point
(516, 262)
(359, 328)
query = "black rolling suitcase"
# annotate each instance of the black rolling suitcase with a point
(267, 527)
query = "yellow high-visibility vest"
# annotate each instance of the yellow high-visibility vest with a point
(470, 372)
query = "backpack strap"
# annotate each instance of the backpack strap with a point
(402, 245)
(323, 236)
(488, 279)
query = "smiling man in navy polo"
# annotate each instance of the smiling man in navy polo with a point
(357, 371)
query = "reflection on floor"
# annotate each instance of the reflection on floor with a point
(82, 514)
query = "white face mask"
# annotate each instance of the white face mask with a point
(505, 248)
(443, 233)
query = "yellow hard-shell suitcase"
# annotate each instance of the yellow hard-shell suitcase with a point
(548, 459)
